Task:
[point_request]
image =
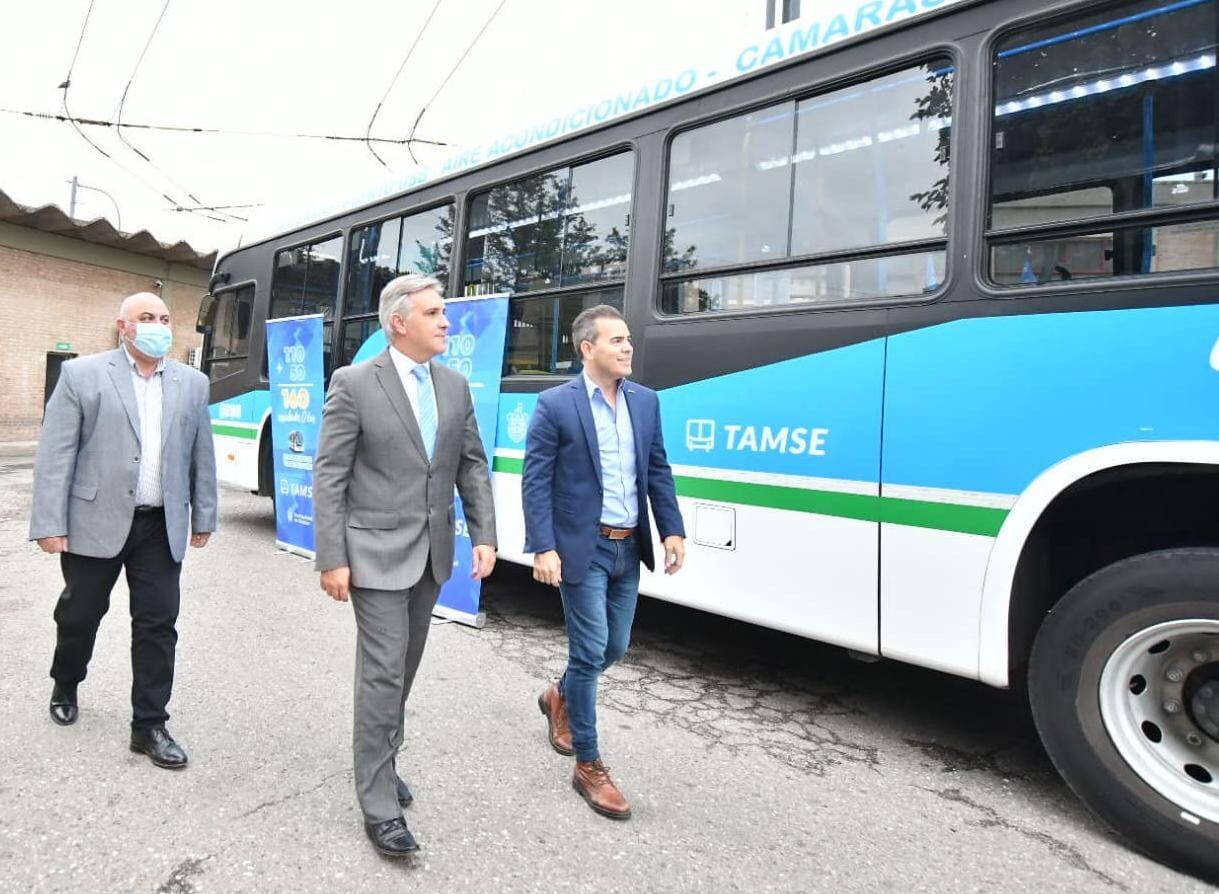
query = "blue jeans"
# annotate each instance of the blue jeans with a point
(599, 611)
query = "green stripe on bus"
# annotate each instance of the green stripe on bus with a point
(234, 432)
(916, 513)
(984, 520)
(510, 464)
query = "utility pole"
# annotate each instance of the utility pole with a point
(77, 185)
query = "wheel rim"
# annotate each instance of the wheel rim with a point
(1159, 701)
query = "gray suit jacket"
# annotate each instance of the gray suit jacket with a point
(88, 457)
(379, 506)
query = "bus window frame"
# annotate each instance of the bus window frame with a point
(841, 80)
(453, 199)
(616, 148)
(325, 236)
(587, 158)
(986, 237)
(218, 294)
(313, 240)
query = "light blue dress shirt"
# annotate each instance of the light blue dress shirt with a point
(616, 444)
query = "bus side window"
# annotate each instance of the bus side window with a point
(1111, 112)
(229, 341)
(806, 183)
(419, 243)
(558, 242)
(306, 281)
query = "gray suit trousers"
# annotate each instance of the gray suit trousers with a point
(392, 629)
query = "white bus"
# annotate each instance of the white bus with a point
(930, 291)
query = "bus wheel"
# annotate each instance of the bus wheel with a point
(1124, 687)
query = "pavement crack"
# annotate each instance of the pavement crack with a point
(742, 707)
(179, 880)
(275, 802)
(992, 819)
(953, 760)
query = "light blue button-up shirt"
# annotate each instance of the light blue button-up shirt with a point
(616, 444)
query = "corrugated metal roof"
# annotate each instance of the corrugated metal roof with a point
(53, 219)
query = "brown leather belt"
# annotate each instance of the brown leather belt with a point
(616, 533)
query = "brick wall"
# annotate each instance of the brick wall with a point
(47, 299)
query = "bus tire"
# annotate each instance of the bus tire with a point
(266, 467)
(1124, 689)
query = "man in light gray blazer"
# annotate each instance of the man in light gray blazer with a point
(398, 432)
(125, 469)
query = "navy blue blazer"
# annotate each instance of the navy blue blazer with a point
(561, 483)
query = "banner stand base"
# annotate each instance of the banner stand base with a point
(295, 550)
(478, 620)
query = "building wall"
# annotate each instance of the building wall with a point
(54, 290)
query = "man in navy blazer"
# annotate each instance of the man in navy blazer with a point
(594, 458)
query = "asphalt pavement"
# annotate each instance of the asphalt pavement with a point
(753, 760)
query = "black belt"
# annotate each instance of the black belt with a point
(616, 533)
(148, 510)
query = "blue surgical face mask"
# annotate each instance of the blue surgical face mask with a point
(152, 339)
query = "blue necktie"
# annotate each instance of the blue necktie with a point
(427, 410)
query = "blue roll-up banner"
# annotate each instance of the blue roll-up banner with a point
(477, 331)
(297, 382)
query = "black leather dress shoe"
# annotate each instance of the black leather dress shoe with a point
(404, 794)
(391, 838)
(159, 745)
(63, 704)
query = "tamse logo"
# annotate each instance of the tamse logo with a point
(700, 435)
(791, 440)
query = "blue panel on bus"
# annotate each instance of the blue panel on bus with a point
(373, 345)
(989, 404)
(813, 416)
(249, 408)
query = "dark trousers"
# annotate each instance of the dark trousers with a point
(152, 578)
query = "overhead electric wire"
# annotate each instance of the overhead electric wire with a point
(491, 18)
(394, 80)
(119, 123)
(66, 85)
(215, 131)
(67, 82)
(214, 207)
(79, 41)
(130, 80)
(77, 123)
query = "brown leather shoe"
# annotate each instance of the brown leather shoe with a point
(552, 706)
(592, 781)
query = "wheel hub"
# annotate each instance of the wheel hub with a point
(1159, 702)
(1202, 698)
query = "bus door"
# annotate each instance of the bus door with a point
(787, 231)
(777, 467)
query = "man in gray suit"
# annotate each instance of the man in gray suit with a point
(398, 432)
(125, 469)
